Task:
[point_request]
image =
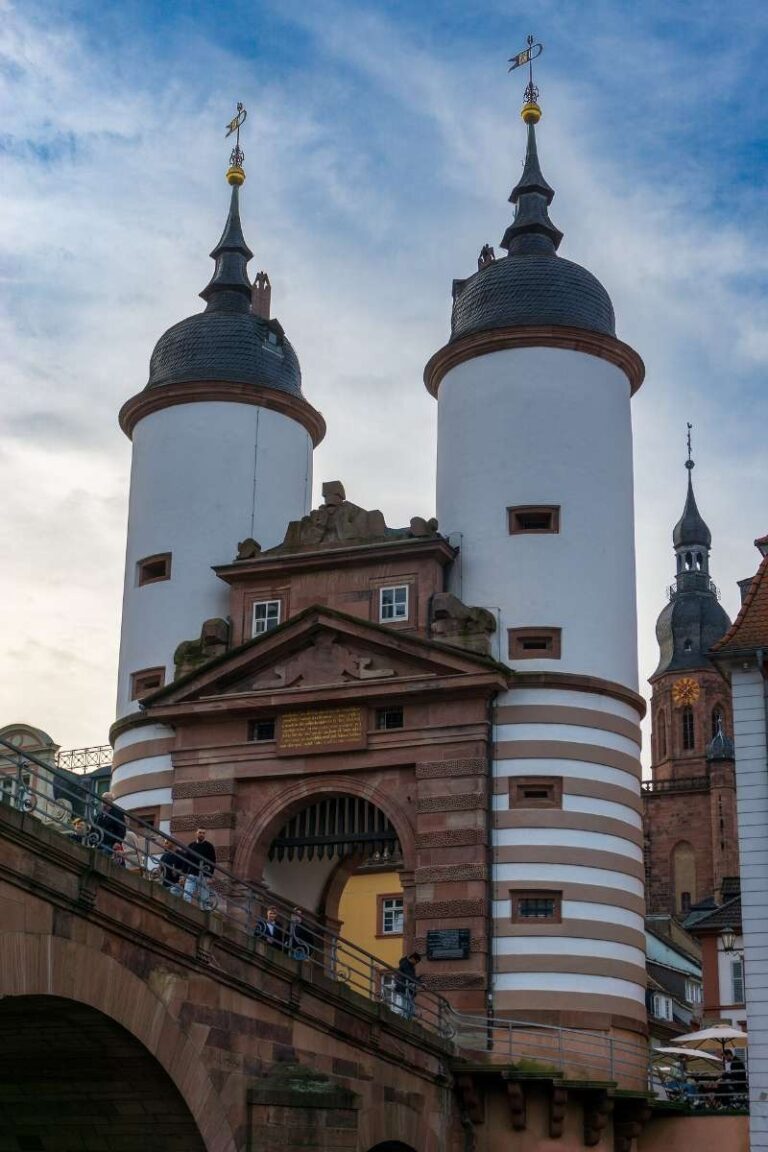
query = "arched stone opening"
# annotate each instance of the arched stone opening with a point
(684, 876)
(74, 1078)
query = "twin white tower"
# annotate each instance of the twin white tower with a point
(535, 474)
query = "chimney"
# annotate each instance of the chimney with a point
(261, 295)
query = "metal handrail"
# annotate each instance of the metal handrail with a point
(75, 811)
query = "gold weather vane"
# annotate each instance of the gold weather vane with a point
(236, 175)
(527, 56)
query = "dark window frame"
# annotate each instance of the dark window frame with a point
(688, 729)
(520, 896)
(549, 514)
(265, 723)
(389, 712)
(162, 561)
(520, 641)
(522, 787)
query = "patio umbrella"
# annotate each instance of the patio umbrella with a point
(722, 1034)
(687, 1054)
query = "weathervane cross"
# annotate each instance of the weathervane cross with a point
(527, 56)
(235, 124)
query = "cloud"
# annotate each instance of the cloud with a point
(380, 151)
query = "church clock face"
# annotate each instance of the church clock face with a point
(685, 691)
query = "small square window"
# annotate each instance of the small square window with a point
(152, 569)
(393, 603)
(535, 791)
(534, 643)
(542, 518)
(533, 907)
(390, 916)
(146, 681)
(261, 729)
(266, 616)
(387, 718)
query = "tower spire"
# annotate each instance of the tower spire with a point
(531, 231)
(229, 289)
(691, 531)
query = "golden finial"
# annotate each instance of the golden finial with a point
(235, 172)
(531, 113)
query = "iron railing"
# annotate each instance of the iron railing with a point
(684, 784)
(84, 759)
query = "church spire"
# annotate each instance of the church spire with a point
(691, 531)
(531, 231)
(229, 289)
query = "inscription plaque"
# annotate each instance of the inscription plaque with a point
(321, 730)
(448, 944)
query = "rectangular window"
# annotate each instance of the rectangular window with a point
(535, 791)
(532, 907)
(146, 681)
(661, 1006)
(692, 992)
(266, 616)
(541, 518)
(534, 643)
(261, 729)
(737, 980)
(393, 603)
(153, 568)
(390, 916)
(387, 718)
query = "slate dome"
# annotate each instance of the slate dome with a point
(687, 628)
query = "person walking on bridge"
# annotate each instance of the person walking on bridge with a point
(201, 861)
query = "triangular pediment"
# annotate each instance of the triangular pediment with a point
(321, 648)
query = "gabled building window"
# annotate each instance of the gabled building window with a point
(387, 718)
(152, 569)
(146, 681)
(661, 1006)
(540, 518)
(534, 643)
(260, 730)
(693, 992)
(391, 915)
(534, 907)
(393, 603)
(689, 736)
(266, 616)
(737, 980)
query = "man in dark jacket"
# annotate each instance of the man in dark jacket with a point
(111, 823)
(405, 984)
(201, 861)
(173, 866)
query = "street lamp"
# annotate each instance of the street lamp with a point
(728, 938)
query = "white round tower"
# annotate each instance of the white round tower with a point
(534, 475)
(222, 451)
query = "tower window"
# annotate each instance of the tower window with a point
(542, 518)
(266, 616)
(686, 720)
(661, 722)
(534, 643)
(687, 645)
(535, 791)
(393, 603)
(718, 721)
(532, 907)
(146, 681)
(153, 568)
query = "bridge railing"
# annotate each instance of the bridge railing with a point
(176, 870)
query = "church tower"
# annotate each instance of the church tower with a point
(534, 477)
(222, 451)
(690, 801)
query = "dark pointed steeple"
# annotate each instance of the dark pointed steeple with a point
(691, 531)
(229, 289)
(531, 230)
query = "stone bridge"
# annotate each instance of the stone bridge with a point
(130, 1020)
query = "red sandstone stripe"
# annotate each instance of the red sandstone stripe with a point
(574, 966)
(587, 893)
(559, 818)
(567, 750)
(579, 929)
(564, 714)
(142, 751)
(584, 857)
(576, 787)
(146, 783)
(521, 1004)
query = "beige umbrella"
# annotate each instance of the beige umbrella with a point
(722, 1034)
(687, 1054)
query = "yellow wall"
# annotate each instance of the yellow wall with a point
(358, 913)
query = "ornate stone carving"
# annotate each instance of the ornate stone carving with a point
(325, 661)
(460, 625)
(597, 1109)
(192, 654)
(558, 1104)
(470, 1098)
(247, 549)
(517, 1109)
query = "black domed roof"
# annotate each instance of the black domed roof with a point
(530, 290)
(687, 628)
(227, 342)
(233, 346)
(691, 529)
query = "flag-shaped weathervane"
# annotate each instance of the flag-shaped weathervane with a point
(527, 56)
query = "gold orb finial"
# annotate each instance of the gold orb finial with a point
(531, 113)
(235, 176)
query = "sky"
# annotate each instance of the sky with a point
(381, 144)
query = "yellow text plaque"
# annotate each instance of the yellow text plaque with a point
(321, 730)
